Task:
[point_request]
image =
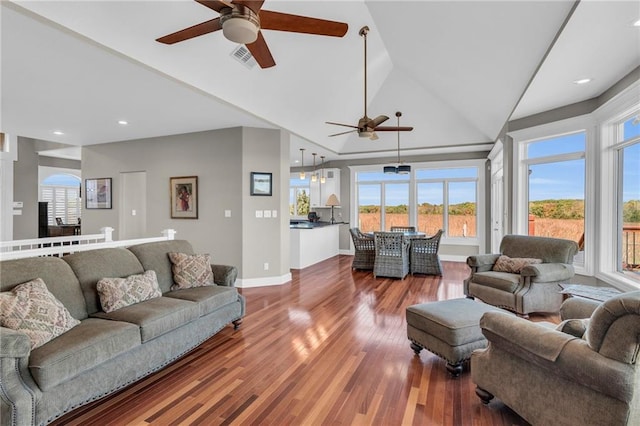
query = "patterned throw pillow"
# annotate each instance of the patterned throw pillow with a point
(32, 309)
(513, 264)
(116, 293)
(191, 270)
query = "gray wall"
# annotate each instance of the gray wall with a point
(25, 189)
(222, 160)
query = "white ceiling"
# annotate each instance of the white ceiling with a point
(458, 70)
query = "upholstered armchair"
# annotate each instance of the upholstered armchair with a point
(535, 268)
(365, 250)
(582, 372)
(392, 255)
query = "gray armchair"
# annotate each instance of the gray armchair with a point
(536, 287)
(551, 377)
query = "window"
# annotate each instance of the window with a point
(435, 196)
(628, 228)
(447, 200)
(373, 214)
(299, 201)
(555, 187)
(62, 193)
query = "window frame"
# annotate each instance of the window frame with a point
(479, 164)
(609, 117)
(520, 200)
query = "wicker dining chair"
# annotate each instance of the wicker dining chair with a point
(403, 229)
(365, 252)
(392, 255)
(424, 255)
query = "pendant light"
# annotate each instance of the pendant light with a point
(314, 175)
(302, 175)
(322, 179)
(402, 169)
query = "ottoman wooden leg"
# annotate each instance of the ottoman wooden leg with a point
(416, 348)
(484, 396)
(454, 369)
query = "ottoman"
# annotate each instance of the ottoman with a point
(448, 328)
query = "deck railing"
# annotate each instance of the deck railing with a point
(631, 247)
(59, 246)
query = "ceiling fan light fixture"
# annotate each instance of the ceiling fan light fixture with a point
(240, 30)
(404, 169)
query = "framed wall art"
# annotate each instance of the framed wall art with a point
(184, 197)
(97, 193)
(261, 183)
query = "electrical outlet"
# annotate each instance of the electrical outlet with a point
(266, 266)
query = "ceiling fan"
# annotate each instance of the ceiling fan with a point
(367, 127)
(242, 20)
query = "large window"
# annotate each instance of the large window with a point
(62, 193)
(554, 187)
(447, 200)
(628, 147)
(432, 197)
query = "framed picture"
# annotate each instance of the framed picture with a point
(261, 183)
(97, 193)
(184, 197)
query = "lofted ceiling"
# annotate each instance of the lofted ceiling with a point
(458, 70)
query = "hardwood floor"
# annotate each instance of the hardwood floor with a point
(328, 348)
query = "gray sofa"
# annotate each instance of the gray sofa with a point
(582, 372)
(106, 352)
(536, 288)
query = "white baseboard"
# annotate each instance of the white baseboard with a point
(263, 282)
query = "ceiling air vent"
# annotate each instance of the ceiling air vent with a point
(242, 55)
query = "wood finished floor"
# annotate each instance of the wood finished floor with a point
(328, 348)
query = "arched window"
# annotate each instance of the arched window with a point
(62, 193)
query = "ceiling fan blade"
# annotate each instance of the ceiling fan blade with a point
(261, 52)
(340, 124)
(254, 5)
(191, 32)
(301, 24)
(343, 133)
(393, 129)
(377, 121)
(215, 4)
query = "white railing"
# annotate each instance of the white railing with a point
(69, 247)
(36, 243)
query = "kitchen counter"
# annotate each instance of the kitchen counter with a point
(312, 242)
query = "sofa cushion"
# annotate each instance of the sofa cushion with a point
(513, 265)
(84, 347)
(191, 270)
(153, 256)
(155, 316)
(92, 265)
(32, 309)
(116, 293)
(499, 280)
(57, 274)
(209, 298)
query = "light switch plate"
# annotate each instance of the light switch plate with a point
(274, 213)
(267, 214)
(259, 214)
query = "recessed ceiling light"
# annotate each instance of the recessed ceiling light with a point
(58, 132)
(637, 23)
(582, 81)
(123, 122)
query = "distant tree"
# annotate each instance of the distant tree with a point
(302, 202)
(631, 211)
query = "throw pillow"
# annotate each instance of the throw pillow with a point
(191, 270)
(32, 309)
(116, 293)
(574, 327)
(513, 264)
